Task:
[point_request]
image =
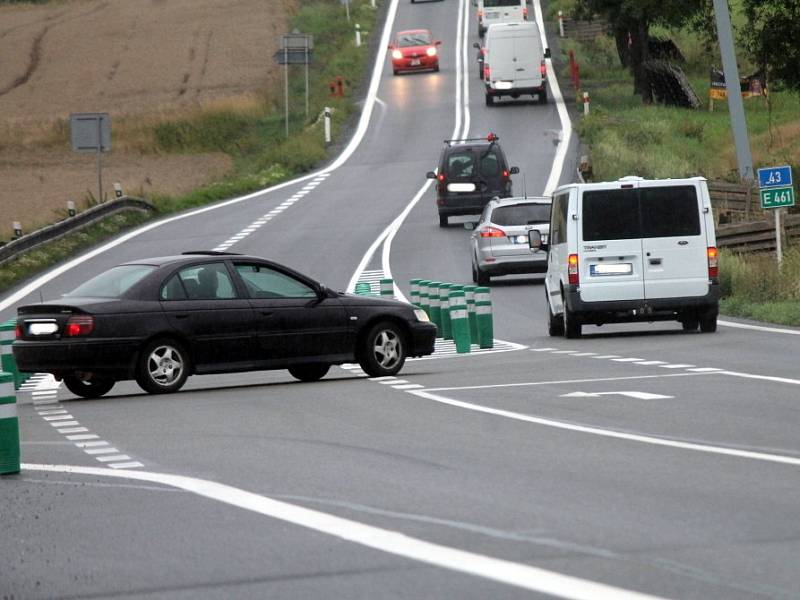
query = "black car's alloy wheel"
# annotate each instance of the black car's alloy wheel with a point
(163, 367)
(88, 385)
(310, 372)
(384, 351)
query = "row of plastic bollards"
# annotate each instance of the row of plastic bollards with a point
(462, 313)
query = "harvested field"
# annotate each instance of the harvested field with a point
(140, 61)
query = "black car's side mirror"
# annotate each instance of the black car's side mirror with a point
(535, 240)
(476, 45)
(514, 170)
(547, 52)
(430, 175)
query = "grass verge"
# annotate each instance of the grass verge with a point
(251, 131)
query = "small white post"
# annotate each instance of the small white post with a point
(17, 226)
(117, 190)
(585, 103)
(327, 119)
(372, 3)
(70, 208)
(561, 23)
(778, 246)
(358, 35)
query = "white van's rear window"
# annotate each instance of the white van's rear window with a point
(496, 3)
(640, 213)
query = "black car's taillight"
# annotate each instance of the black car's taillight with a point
(78, 325)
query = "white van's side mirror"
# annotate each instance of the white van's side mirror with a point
(535, 240)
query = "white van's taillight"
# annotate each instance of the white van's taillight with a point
(713, 263)
(543, 69)
(572, 269)
(487, 72)
(525, 13)
(480, 16)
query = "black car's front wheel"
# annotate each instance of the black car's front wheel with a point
(310, 372)
(384, 350)
(88, 385)
(163, 367)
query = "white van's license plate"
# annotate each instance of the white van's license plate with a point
(615, 269)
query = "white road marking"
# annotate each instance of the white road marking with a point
(627, 359)
(583, 354)
(126, 465)
(649, 363)
(543, 349)
(392, 542)
(565, 351)
(607, 356)
(759, 328)
(72, 423)
(59, 418)
(115, 458)
(761, 456)
(409, 386)
(704, 369)
(73, 430)
(88, 436)
(558, 382)
(91, 444)
(637, 395)
(674, 366)
(762, 377)
(108, 450)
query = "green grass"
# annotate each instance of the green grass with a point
(251, 132)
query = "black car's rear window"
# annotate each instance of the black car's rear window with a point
(461, 164)
(521, 214)
(640, 213)
(113, 283)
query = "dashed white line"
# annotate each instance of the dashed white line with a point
(627, 359)
(674, 366)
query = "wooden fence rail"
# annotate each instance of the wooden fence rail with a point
(757, 236)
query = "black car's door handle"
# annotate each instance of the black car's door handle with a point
(180, 315)
(266, 313)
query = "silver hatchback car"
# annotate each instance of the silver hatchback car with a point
(499, 241)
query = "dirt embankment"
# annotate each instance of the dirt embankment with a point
(138, 60)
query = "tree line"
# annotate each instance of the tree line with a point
(771, 38)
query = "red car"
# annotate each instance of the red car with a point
(414, 50)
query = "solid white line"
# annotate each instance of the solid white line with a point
(392, 382)
(628, 359)
(649, 363)
(673, 366)
(775, 458)
(607, 356)
(561, 382)
(759, 328)
(704, 369)
(566, 124)
(583, 354)
(392, 542)
(762, 377)
(565, 351)
(409, 386)
(542, 349)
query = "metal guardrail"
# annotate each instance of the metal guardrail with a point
(57, 230)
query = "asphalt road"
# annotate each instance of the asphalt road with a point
(637, 459)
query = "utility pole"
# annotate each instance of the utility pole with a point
(735, 105)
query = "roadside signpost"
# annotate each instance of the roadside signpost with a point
(91, 132)
(776, 190)
(296, 49)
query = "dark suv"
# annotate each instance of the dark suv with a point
(471, 172)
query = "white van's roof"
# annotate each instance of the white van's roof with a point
(524, 26)
(631, 179)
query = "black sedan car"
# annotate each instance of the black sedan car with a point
(160, 320)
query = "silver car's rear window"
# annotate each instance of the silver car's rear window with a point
(521, 214)
(112, 283)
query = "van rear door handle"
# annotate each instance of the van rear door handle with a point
(655, 261)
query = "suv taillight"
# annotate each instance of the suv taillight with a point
(572, 269)
(440, 177)
(713, 263)
(492, 232)
(78, 325)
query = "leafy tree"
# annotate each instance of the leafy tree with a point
(631, 21)
(772, 38)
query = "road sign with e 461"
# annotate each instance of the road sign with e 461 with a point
(777, 197)
(775, 177)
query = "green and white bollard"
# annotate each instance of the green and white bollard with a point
(483, 314)
(387, 288)
(459, 321)
(363, 288)
(436, 309)
(444, 302)
(415, 292)
(9, 426)
(7, 362)
(469, 292)
(424, 302)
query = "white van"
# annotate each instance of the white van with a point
(632, 250)
(500, 11)
(514, 62)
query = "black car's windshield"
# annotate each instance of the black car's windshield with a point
(521, 214)
(418, 38)
(113, 283)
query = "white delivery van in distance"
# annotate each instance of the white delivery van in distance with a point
(632, 250)
(514, 62)
(500, 11)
